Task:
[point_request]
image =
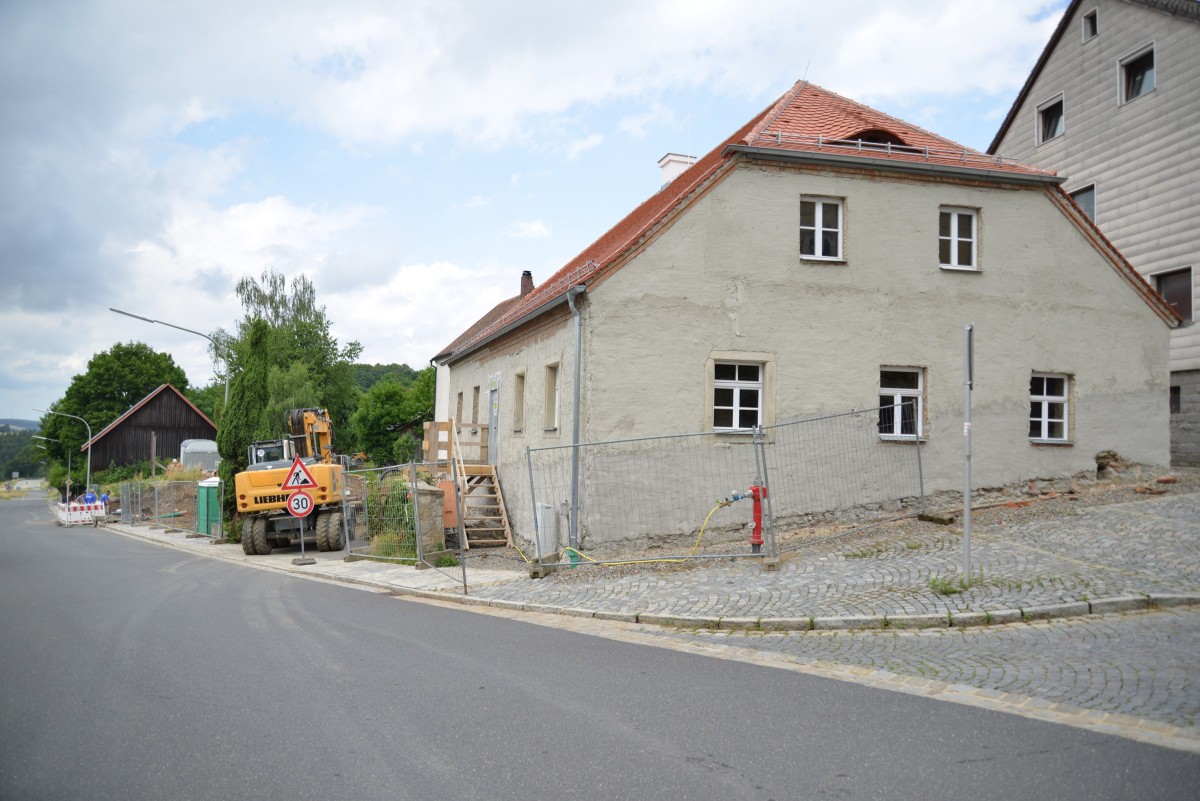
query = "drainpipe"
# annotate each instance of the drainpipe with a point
(573, 539)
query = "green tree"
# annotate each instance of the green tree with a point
(114, 381)
(388, 407)
(246, 418)
(298, 334)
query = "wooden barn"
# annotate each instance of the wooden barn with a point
(157, 424)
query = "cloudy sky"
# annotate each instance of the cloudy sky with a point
(411, 157)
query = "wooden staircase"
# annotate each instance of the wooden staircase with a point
(485, 521)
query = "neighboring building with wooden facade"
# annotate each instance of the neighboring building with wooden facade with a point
(1112, 105)
(825, 257)
(158, 425)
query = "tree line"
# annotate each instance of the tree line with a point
(280, 356)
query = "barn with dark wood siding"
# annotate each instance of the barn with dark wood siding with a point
(162, 420)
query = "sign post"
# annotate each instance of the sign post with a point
(968, 385)
(300, 503)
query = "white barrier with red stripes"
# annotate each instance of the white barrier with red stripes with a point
(80, 514)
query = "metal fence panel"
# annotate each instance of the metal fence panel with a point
(391, 518)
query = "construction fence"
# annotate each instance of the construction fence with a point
(170, 504)
(401, 514)
(716, 495)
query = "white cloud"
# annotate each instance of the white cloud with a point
(582, 145)
(530, 229)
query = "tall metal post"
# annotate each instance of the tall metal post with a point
(88, 481)
(968, 385)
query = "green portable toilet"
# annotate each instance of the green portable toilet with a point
(208, 507)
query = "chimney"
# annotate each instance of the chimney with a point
(526, 283)
(673, 165)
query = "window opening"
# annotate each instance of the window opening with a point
(956, 238)
(737, 396)
(1085, 198)
(1051, 122)
(1048, 407)
(1138, 74)
(900, 393)
(821, 229)
(1176, 289)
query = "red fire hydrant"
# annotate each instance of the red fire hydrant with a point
(757, 494)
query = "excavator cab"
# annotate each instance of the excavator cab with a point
(270, 454)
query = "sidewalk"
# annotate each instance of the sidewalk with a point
(1097, 560)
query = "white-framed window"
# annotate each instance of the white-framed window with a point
(1085, 198)
(901, 394)
(1175, 286)
(1048, 402)
(737, 396)
(1051, 122)
(1091, 25)
(1137, 73)
(958, 238)
(550, 410)
(820, 228)
(518, 402)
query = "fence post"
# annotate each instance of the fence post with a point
(760, 460)
(416, 511)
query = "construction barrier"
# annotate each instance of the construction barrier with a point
(80, 514)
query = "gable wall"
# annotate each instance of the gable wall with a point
(727, 279)
(1143, 156)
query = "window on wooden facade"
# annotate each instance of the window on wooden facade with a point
(958, 239)
(901, 394)
(1051, 122)
(1048, 412)
(1085, 198)
(820, 228)
(1137, 74)
(1176, 288)
(737, 396)
(1091, 25)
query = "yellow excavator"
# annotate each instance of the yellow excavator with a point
(262, 501)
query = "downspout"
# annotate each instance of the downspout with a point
(573, 538)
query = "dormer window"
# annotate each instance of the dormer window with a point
(877, 136)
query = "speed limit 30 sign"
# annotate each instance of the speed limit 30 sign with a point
(299, 504)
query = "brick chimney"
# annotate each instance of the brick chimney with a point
(526, 283)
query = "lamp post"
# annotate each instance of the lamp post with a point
(190, 331)
(88, 482)
(59, 441)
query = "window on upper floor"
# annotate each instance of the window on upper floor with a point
(901, 391)
(737, 396)
(1176, 288)
(550, 399)
(1137, 74)
(1085, 198)
(958, 239)
(1091, 25)
(820, 228)
(1048, 399)
(1051, 122)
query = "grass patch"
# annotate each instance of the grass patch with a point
(948, 586)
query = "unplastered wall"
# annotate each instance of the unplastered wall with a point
(727, 278)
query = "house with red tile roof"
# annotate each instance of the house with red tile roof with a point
(823, 257)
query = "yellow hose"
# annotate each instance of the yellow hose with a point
(695, 547)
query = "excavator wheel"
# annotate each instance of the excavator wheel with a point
(323, 530)
(334, 537)
(248, 537)
(258, 534)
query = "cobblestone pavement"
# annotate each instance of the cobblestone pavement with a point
(1133, 551)
(1142, 665)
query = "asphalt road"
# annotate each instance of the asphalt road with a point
(133, 671)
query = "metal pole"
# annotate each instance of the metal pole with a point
(968, 382)
(574, 522)
(920, 469)
(88, 482)
(462, 529)
(416, 512)
(190, 331)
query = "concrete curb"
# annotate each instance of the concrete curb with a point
(993, 617)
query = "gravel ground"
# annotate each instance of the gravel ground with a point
(1038, 500)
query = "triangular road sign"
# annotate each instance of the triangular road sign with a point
(298, 477)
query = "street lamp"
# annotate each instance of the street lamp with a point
(68, 450)
(88, 483)
(190, 331)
